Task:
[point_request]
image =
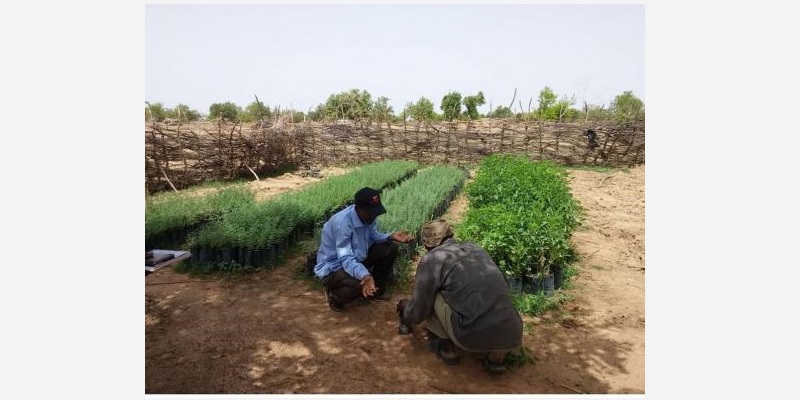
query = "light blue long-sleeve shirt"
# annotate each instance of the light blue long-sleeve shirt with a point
(344, 244)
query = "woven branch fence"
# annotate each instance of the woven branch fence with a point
(180, 156)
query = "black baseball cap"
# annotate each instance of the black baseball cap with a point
(370, 200)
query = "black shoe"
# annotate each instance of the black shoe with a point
(444, 349)
(337, 307)
(404, 328)
(493, 368)
(333, 304)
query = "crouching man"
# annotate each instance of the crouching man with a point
(354, 260)
(462, 297)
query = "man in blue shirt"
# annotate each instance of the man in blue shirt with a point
(354, 260)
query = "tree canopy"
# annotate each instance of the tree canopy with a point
(422, 110)
(256, 111)
(472, 103)
(227, 110)
(451, 106)
(354, 104)
(181, 112)
(381, 110)
(627, 106)
(501, 112)
(358, 105)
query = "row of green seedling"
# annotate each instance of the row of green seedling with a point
(414, 196)
(272, 226)
(324, 199)
(418, 200)
(237, 258)
(171, 217)
(523, 214)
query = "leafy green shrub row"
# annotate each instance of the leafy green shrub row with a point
(516, 183)
(522, 213)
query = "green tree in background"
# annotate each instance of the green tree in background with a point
(381, 110)
(563, 110)
(293, 115)
(551, 108)
(596, 113)
(183, 113)
(627, 106)
(420, 111)
(547, 99)
(354, 105)
(472, 103)
(501, 112)
(317, 114)
(227, 110)
(358, 105)
(154, 112)
(256, 111)
(451, 106)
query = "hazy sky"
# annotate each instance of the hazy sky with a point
(300, 54)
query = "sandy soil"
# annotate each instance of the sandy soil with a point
(265, 188)
(272, 332)
(269, 187)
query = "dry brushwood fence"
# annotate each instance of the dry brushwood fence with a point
(178, 156)
(181, 155)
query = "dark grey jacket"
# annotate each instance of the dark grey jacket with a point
(474, 287)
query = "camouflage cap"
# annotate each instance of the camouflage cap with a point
(435, 231)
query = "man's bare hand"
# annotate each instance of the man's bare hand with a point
(402, 237)
(368, 287)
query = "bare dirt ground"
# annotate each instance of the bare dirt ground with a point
(265, 188)
(269, 187)
(272, 332)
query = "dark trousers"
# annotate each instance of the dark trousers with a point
(343, 288)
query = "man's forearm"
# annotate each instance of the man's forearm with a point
(416, 311)
(353, 267)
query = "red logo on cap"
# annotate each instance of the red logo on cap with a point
(375, 200)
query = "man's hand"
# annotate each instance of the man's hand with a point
(401, 306)
(402, 237)
(368, 287)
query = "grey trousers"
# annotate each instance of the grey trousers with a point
(440, 323)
